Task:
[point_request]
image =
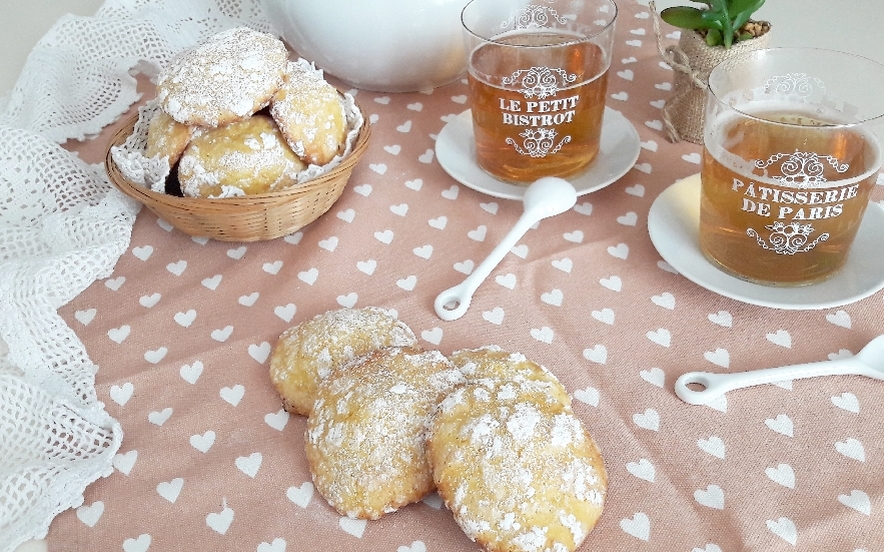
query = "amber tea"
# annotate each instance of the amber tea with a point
(538, 74)
(781, 203)
(537, 110)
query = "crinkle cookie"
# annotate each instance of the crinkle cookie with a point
(306, 353)
(494, 363)
(311, 114)
(224, 79)
(517, 469)
(166, 137)
(242, 158)
(365, 437)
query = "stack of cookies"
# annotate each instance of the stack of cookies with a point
(236, 117)
(491, 431)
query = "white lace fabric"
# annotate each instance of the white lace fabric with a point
(62, 227)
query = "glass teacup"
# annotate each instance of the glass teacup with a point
(792, 146)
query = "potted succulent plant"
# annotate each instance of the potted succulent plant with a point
(718, 29)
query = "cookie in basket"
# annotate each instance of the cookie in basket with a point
(365, 437)
(516, 468)
(166, 137)
(311, 114)
(227, 78)
(244, 157)
(493, 362)
(307, 352)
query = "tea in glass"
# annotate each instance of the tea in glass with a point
(538, 80)
(788, 166)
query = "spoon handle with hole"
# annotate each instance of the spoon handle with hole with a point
(461, 294)
(716, 385)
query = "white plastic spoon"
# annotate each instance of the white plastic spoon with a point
(868, 362)
(546, 197)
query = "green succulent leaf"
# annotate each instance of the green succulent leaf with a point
(741, 19)
(721, 18)
(727, 39)
(714, 20)
(684, 17)
(745, 36)
(714, 38)
(719, 6)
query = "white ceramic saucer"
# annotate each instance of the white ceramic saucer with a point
(673, 223)
(618, 152)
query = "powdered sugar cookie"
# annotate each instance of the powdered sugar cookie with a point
(307, 352)
(244, 157)
(517, 469)
(225, 79)
(493, 362)
(166, 137)
(310, 113)
(365, 437)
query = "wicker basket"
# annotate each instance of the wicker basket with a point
(249, 218)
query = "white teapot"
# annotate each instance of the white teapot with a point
(378, 45)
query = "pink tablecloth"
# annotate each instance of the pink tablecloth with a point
(182, 331)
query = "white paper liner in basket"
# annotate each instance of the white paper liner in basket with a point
(152, 172)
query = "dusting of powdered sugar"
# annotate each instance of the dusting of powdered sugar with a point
(152, 173)
(365, 442)
(516, 467)
(226, 78)
(311, 113)
(492, 363)
(308, 352)
(523, 421)
(248, 156)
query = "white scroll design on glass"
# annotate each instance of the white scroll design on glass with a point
(787, 238)
(802, 168)
(795, 83)
(533, 17)
(538, 142)
(540, 82)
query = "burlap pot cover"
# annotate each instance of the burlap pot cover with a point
(693, 60)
